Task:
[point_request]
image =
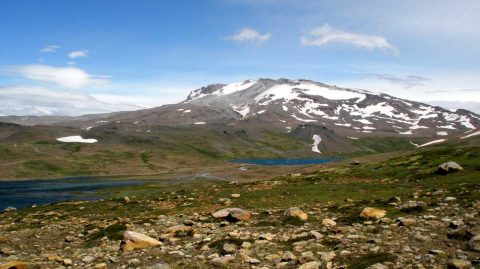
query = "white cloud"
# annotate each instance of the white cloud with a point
(50, 49)
(33, 100)
(248, 35)
(78, 54)
(325, 34)
(68, 77)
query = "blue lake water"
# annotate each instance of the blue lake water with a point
(283, 161)
(26, 193)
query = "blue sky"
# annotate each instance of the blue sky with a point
(99, 56)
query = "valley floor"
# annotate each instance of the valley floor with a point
(431, 221)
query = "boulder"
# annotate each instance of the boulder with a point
(14, 265)
(375, 213)
(233, 214)
(295, 213)
(448, 167)
(133, 240)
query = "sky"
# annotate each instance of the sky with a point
(66, 57)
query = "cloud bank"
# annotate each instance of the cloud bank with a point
(68, 77)
(40, 101)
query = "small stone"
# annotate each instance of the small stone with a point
(316, 235)
(134, 261)
(329, 223)
(406, 221)
(229, 248)
(449, 199)
(247, 259)
(235, 195)
(88, 259)
(67, 262)
(159, 265)
(295, 213)
(289, 256)
(378, 266)
(327, 256)
(246, 245)
(311, 265)
(180, 230)
(459, 264)
(126, 200)
(474, 243)
(69, 238)
(222, 261)
(103, 265)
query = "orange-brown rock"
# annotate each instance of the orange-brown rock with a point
(14, 265)
(375, 213)
(133, 240)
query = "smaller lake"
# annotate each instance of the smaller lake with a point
(283, 161)
(25, 193)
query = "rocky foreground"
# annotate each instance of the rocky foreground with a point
(438, 233)
(266, 224)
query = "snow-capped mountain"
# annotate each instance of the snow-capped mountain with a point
(292, 102)
(283, 105)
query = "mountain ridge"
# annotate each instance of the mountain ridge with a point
(285, 104)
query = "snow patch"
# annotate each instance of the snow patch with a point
(200, 123)
(316, 141)
(406, 133)
(289, 92)
(354, 138)
(76, 139)
(470, 135)
(442, 133)
(432, 142)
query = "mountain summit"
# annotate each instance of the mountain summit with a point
(288, 103)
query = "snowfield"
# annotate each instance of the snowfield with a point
(77, 139)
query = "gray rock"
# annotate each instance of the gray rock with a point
(448, 167)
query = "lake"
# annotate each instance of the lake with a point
(284, 161)
(26, 193)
